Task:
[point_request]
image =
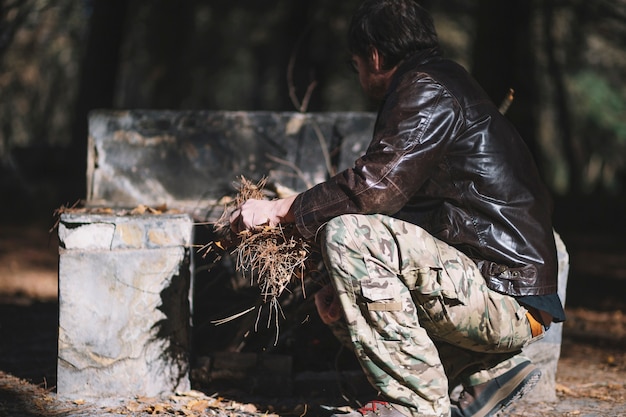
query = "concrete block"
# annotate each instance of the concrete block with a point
(276, 364)
(235, 361)
(124, 307)
(190, 159)
(546, 352)
(259, 374)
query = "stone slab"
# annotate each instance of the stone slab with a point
(110, 232)
(124, 307)
(546, 352)
(258, 374)
(190, 159)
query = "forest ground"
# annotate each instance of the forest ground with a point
(591, 378)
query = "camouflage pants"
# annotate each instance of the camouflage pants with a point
(417, 312)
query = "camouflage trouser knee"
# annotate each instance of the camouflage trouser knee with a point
(418, 312)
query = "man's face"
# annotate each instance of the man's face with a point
(374, 82)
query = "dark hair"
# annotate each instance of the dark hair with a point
(396, 28)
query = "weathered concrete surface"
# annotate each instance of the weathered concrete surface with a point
(546, 352)
(190, 159)
(124, 310)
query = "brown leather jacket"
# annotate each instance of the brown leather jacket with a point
(443, 157)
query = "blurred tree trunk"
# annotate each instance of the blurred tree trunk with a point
(504, 59)
(97, 82)
(171, 48)
(8, 26)
(561, 107)
(296, 44)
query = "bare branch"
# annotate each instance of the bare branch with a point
(293, 166)
(324, 147)
(307, 96)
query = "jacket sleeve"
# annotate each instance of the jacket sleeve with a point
(415, 123)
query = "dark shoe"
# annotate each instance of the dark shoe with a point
(490, 398)
(374, 409)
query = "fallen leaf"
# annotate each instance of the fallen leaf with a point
(198, 405)
(133, 406)
(140, 209)
(248, 408)
(565, 390)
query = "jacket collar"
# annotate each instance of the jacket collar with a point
(418, 58)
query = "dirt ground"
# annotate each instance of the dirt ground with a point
(591, 379)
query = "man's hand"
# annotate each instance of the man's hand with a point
(254, 213)
(327, 304)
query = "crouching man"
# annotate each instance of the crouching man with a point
(438, 241)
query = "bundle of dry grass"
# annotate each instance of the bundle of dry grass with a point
(270, 255)
(274, 255)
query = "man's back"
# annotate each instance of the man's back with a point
(480, 190)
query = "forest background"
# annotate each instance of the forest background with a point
(59, 59)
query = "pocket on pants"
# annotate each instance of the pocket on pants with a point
(433, 295)
(431, 282)
(381, 285)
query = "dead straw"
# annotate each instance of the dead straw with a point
(271, 257)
